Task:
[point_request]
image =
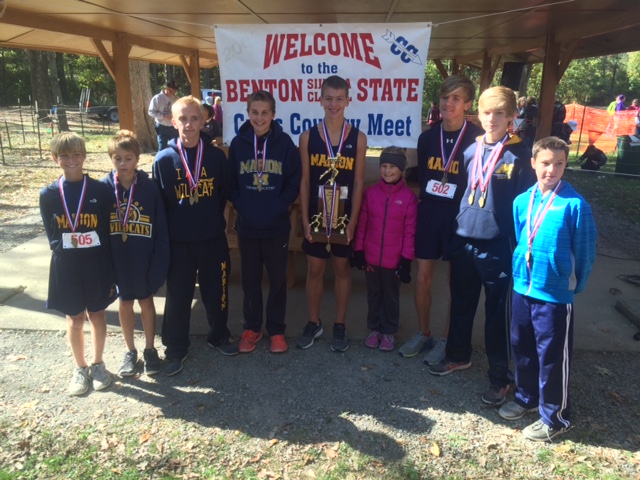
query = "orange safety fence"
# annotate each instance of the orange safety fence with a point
(601, 128)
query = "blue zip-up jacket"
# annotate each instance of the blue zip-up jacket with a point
(563, 250)
(512, 175)
(262, 203)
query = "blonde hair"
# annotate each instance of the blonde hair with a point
(217, 101)
(185, 102)
(498, 98)
(126, 140)
(67, 142)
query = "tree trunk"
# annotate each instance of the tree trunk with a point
(63, 124)
(62, 77)
(141, 95)
(39, 82)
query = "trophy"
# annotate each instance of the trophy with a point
(330, 223)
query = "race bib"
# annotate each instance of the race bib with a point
(439, 189)
(80, 240)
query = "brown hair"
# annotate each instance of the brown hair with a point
(262, 96)
(335, 82)
(454, 82)
(67, 142)
(550, 143)
(126, 140)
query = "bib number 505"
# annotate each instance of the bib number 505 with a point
(80, 240)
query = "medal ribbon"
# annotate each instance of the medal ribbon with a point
(124, 220)
(194, 178)
(327, 140)
(260, 167)
(449, 161)
(479, 174)
(540, 213)
(327, 209)
(73, 225)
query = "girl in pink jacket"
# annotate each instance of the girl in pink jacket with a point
(384, 246)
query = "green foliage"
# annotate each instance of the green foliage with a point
(15, 81)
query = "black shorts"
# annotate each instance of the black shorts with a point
(435, 229)
(81, 282)
(319, 250)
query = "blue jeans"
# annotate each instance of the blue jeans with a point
(164, 135)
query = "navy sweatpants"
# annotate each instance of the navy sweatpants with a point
(273, 254)
(209, 263)
(476, 264)
(542, 342)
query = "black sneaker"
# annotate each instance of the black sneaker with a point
(174, 365)
(339, 342)
(309, 334)
(152, 363)
(225, 347)
(495, 395)
(128, 368)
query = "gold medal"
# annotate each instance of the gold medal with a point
(527, 256)
(445, 178)
(328, 247)
(481, 202)
(191, 199)
(259, 186)
(124, 237)
(472, 197)
(196, 198)
(74, 242)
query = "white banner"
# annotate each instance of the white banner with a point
(383, 63)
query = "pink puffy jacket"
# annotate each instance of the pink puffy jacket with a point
(387, 224)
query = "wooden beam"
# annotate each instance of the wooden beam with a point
(597, 26)
(567, 57)
(485, 75)
(443, 71)
(104, 56)
(185, 67)
(548, 87)
(194, 74)
(455, 67)
(121, 51)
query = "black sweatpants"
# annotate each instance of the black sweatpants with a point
(273, 254)
(209, 263)
(383, 299)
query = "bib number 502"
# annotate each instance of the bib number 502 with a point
(440, 189)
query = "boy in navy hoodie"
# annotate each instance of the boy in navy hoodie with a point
(194, 179)
(139, 247)
(267, 171)
(498, 169)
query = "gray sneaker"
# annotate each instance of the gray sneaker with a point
(436, 355)
(101, 376)
(513, 411)
(128, 368)
(152, 363)
(418, 343)
(79, 381)
(309, 334)
(541, 432)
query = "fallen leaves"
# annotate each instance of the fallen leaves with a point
(15, 358)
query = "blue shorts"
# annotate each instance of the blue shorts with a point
(319, 250)
(81, 282)
(435, 229)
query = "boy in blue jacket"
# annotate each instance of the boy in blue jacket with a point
(556, 237)
(267, 174)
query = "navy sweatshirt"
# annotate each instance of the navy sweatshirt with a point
(204, 219)
(262, 201)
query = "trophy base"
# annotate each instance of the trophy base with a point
(337, 238)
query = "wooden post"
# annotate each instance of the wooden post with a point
(550, 79)
(121, 51)
(194, 74)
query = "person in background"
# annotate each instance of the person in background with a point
(384, 247)
(529, 125)
(218, 113)
(160, 110)
(211, 128)
(556, 248)
(434, 115)
(558, 117)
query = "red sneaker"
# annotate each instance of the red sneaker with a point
(249, 340)
(278, 344)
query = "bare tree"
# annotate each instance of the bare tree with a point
(141, 95)
(63, 124)
(40, 90)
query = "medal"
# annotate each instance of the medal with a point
(527, 256)
(481, 200)
(328, 247)
(260, 162)
(192, 178)
(448, 161)
(124, 218)
(73, 225)
(472, 196)
(537, 218)
(481, 175)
